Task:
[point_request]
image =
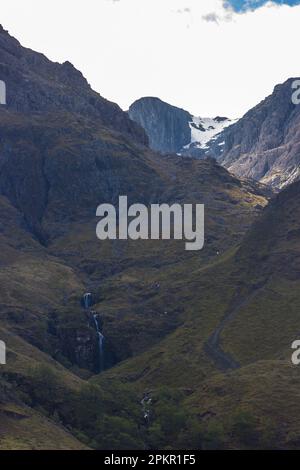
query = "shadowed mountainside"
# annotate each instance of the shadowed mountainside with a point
(167, 127)
(37, 85)
(157, 303)
(248, 298)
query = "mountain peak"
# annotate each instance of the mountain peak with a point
(2, 30)
(172, 129)
(34, 84)
(264, 143)
(166, 126)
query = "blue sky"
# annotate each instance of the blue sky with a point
(244, 5)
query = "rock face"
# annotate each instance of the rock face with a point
(35, 84)
(167, 127)
(59, 167)
(158, 304)
(173, 130)
(265, 143)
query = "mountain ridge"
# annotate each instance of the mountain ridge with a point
(263, 145)
(157, 305)
(39, 85)
(173, 130)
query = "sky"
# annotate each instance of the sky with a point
(244, 5)
(210, 57)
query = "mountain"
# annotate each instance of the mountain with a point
(173, 130)
(63, 151)
(37, 85)
(231, 356)
(264, 145)
(204, 130)
(195, 347)
(167, 127)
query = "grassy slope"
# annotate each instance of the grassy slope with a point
(264, 272)
(22, 428)
(164, 328)
(268, 391)
(31, 284)
(138, 282)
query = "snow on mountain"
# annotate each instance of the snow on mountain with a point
(174, 130)
(203, 130)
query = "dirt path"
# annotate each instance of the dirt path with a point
(223, 360)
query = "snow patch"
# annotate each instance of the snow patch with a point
(204, 130)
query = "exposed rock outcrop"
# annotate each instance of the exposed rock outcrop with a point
(265, 143)
(167, 127)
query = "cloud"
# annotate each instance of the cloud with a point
(183, 10)
(197, 60)
(228, 9)
(242, 6)
(211, 17)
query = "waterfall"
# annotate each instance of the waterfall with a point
(101, 340)
(146, 406)
(87, 300)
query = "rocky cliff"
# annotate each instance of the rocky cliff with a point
(166, 126)
(174, 130)
(265, 143)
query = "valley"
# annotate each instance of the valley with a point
(137, 344)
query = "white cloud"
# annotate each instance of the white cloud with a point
(132, 48)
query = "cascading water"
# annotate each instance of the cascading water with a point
(101, 340)
(146, 406)
(87, 300)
